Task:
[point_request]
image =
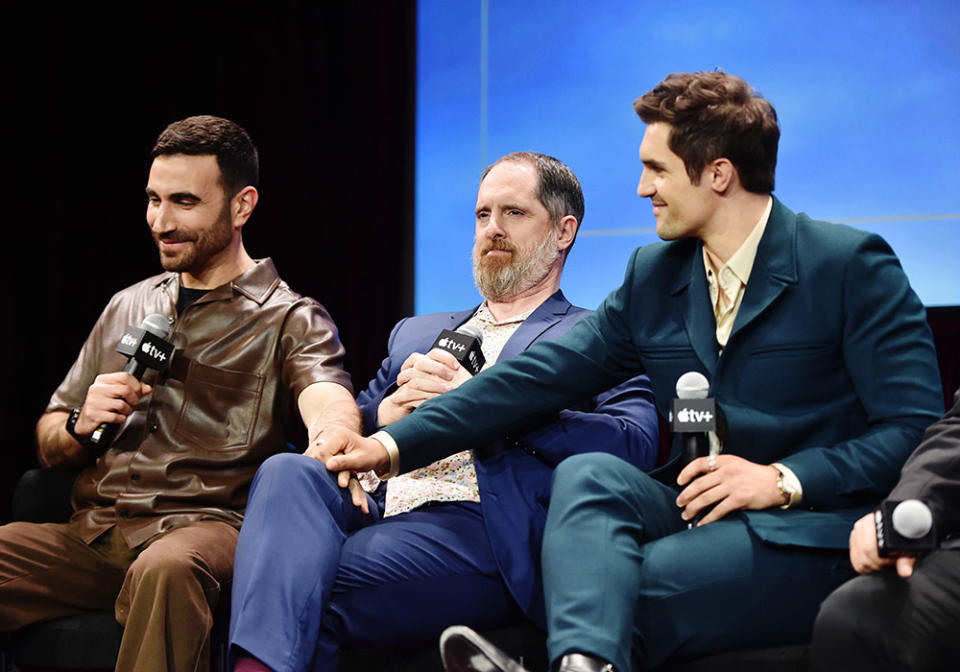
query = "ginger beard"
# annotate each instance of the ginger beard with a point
(501, 277)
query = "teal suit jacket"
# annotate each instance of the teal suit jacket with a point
(830, 368)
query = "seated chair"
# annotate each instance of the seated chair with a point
(85, 641)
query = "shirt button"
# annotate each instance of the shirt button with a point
(134, 477)
(153, 429)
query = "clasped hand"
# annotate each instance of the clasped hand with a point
(347, 453)
(734, 484)
(422, 377)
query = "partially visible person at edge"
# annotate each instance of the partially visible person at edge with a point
(902, 614)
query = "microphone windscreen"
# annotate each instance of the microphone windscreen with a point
(471, 330)
(912, 519)
(156, 324)
(692, 385)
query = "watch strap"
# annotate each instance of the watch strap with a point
(72, 426)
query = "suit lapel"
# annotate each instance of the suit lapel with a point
(774, 269)
(545, 316)
(698, 318)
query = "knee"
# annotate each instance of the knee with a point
(284, 466)
(855, 628)
(167, 565)
(596, 473)
(847, 615)
(290, 474)
(162, 579)
(297, 484)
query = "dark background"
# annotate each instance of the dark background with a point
(326, 91)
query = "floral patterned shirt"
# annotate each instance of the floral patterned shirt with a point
(453, 478)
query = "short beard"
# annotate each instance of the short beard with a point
(206, 244)
(501, 279)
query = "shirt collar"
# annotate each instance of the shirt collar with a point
(257, 284)
(483, 313)
(741, 263)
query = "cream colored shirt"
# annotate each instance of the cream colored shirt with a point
(727, 285)
(453, 478)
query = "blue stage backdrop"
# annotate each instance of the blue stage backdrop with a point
(867, 93)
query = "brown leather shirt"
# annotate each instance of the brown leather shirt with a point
(189, 451)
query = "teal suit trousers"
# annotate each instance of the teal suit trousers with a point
(632, 585)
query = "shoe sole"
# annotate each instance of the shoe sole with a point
(463, 650)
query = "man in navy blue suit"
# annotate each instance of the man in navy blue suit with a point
(817, 352)
(459, 539)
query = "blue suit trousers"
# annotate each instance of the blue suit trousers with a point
(313, 574)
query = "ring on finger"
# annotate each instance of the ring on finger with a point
(712, 462)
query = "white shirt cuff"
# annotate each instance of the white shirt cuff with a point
(392, 451)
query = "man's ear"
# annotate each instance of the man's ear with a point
(242, 205)
(566, 231)
(722, 175)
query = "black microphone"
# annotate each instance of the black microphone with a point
(694, 415)
(464, 345)
(904, 528)
(147, 348)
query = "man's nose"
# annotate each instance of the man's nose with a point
(159, 218)
(645, 187)
(494, 228)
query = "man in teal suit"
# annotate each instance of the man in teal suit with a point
(818, 355)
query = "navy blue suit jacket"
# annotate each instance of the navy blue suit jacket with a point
(830, 367)
(514, 473)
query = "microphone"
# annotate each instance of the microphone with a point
(693, 416)
(904, 528)
(464, 345)
(147, 348)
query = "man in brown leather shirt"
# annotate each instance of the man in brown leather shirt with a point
(157, 514)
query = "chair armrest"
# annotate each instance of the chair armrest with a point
(43, 496)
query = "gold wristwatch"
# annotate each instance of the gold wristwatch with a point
(789, 486)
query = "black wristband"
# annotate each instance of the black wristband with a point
(72, 427)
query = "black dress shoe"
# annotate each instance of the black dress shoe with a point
(463, 650)
(578, 662)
